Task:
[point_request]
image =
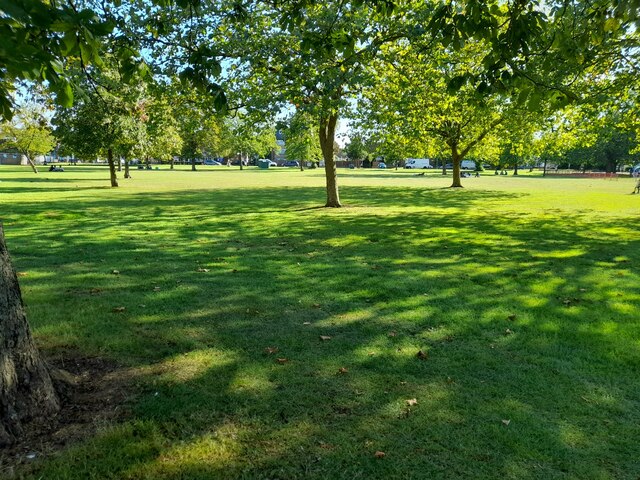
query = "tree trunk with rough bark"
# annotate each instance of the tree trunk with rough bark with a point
(127, 173)
(456, 160)
(327, 137)
(112, 168)
(193, 164)
(26, 389)
(32, 164)
(515, 168)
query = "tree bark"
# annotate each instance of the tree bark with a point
(544, 168)
(112, 168)
(515, 168)
(172, 162)
(127, 174)
(241, 160)
(119, 164)
(327, 137)
(456, 158)
(32, 164)
(193, 164)
(26, 389)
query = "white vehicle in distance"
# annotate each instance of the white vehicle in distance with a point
(468, 164)
(417, 163)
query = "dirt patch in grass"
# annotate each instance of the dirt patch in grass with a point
(93, 391)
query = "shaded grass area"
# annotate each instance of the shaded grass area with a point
(527, 309)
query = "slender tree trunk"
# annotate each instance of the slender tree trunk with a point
(26, 389)
(172, 162)
(119, 164)
(456, 159)
(515, 168)
(193, 164)
(112, 168)
(444, 167)
(127, 173)
(241, 161)
(544, 168)
(147, 162)
(327, 137)
(32, 164)
(302, 165)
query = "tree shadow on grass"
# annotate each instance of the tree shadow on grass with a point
(529, 326)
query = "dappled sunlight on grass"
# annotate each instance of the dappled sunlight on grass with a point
(521, 293)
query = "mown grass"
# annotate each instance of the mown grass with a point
(552, 392)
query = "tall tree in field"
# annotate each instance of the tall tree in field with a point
(244, 137)
(414, 94)
(26, 389)
(108, 116)
(301, 140)
(307, 55)
(29, 133)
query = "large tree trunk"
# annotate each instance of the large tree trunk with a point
(32, 164)
(456, 159)
(26, 389)
(127, 174)
(515, 168)
(112, 168)
(327, 137)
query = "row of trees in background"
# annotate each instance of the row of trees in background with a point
(480, 78)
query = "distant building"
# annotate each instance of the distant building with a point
(10, 156)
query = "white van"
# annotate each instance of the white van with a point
(468, 164)
(417, 163)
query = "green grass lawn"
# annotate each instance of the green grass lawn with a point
(523, 292)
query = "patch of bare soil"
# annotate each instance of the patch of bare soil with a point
(93, 393)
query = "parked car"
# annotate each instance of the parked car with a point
(382, 165)
(291, 163)
(417, 163)
(212, 163)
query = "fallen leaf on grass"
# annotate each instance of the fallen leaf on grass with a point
(324, 338)
(343, 370)
(506, 422)
(371, 354)
(316, 305)
(307, 323)
(202, 270)
(95, 291)
(508, 331)
(421, 355)
(156, 289)
(392, 334)
(115, 272)
(412, 401)
(512, 317)
(22, 274)
(234, 271)
(271, 350)
(379, 454)
(119, 309)
(282, 360)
